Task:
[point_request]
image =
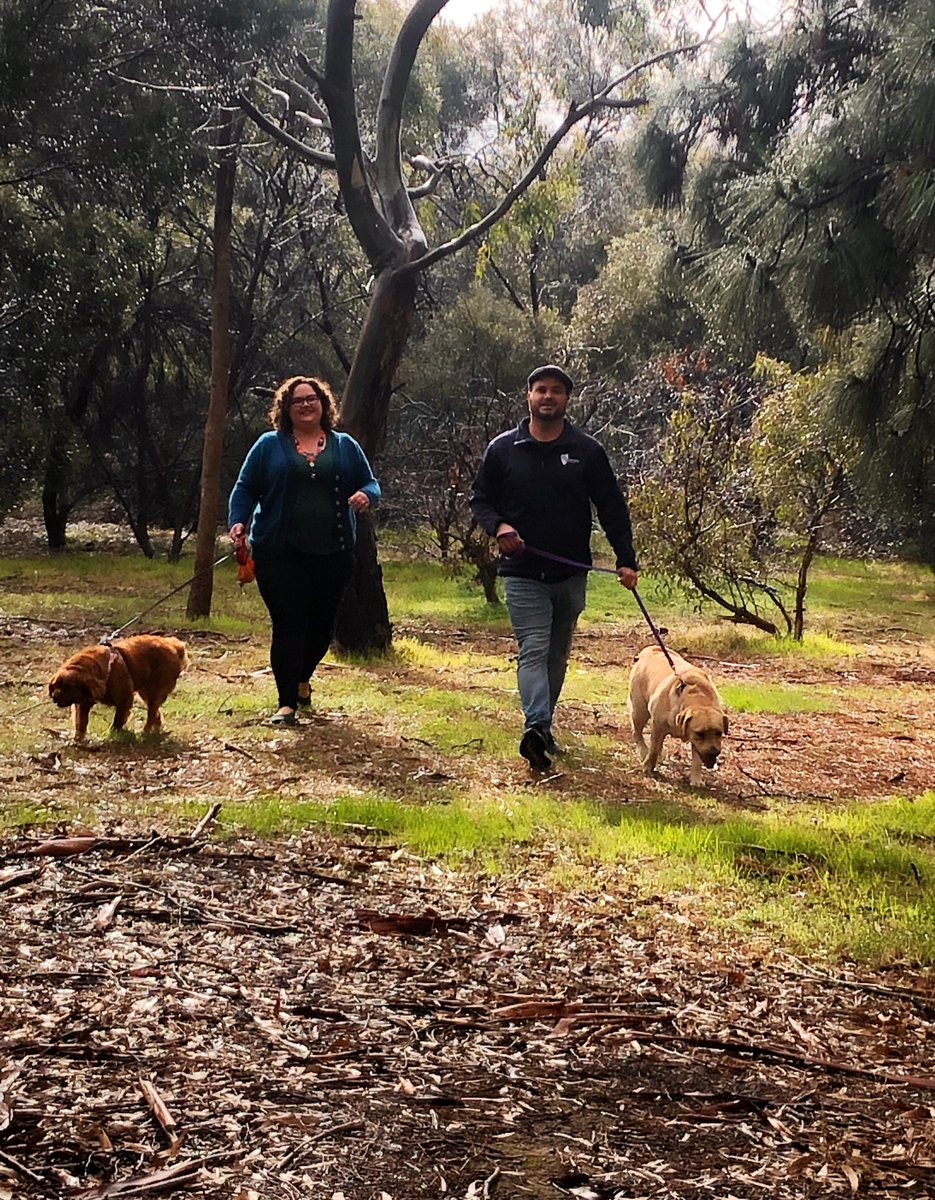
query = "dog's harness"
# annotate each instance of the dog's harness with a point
(570, 562)
(115, 655)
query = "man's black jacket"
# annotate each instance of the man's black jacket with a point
(545, 491)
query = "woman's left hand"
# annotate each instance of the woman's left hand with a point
(359, 502)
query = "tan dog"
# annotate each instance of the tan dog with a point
(683, 704)
(103, 674)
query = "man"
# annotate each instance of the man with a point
(534, 492)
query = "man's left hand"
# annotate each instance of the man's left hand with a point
(628, 577)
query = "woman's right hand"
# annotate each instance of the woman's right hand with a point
(238, 535)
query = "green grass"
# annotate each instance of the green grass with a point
(844, 597)
(111, 589)
(423, 591)
(777, 698)
(872, 588)
(859, 880)
(855, 880)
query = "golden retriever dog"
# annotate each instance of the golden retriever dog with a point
(110, 674)
(682, 704)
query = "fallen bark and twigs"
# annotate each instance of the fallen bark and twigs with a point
(68, 845)
(298, 1152)
(18, 878)
(159, 1109)
(168, 1179)
(14, 1165)
(418, 1020)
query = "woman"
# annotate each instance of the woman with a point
(302, 485)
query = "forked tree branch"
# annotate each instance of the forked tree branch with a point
(390, 184)
(575, 114)
(321, 158)
(378, 238)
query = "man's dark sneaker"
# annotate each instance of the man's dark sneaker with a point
(551, 744)
(533, 748)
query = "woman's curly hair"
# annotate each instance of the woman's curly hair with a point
(282, 399)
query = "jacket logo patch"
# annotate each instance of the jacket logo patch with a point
(567, 458)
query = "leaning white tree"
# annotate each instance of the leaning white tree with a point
(381, 200)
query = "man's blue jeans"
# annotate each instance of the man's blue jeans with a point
(544, 616)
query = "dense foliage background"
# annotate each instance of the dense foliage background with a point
(735, 261)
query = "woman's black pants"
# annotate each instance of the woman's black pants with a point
(302, 593)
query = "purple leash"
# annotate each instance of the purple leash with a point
(570, 562)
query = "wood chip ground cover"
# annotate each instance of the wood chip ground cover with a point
(406, 1031)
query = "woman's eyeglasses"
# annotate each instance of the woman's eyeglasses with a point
(296, 400)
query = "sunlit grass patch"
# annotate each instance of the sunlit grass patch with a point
(465, 664)
(452, 830)
(862, 879)
(814, 645)
(776, 698)
(424, 590)
(824, 882)
(898, 820)
(606, 686)
(16, 813)
(447, 720)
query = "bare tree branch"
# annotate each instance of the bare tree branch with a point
(190, 89)
(320, 158)
(438, 173)
(305, 95)
(378, 239)
(575, 114)
(315, 76)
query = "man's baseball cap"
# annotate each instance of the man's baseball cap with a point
(550, 369)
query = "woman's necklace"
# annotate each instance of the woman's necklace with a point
(311, 455)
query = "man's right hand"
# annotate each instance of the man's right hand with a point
(238, 535)
(509, 541)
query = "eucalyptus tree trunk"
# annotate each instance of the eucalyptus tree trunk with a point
(384, 220)
(58, 480)
(363, 622)
(202, 586)
(55, 505)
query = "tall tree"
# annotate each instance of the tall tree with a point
(103, 183)
(199, 597)
(381, 206)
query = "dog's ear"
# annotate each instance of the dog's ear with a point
(682, 717)
(92, 672)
